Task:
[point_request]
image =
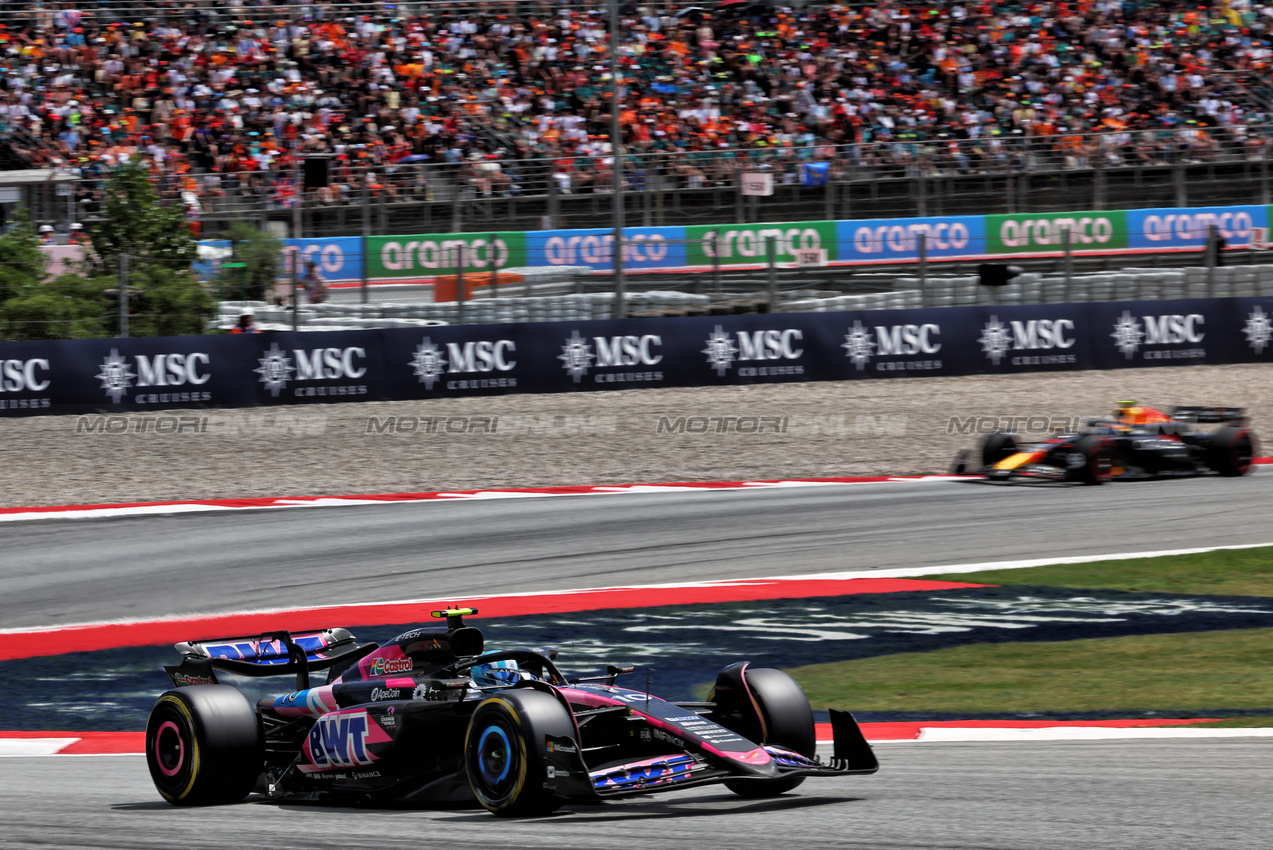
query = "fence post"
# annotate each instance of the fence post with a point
(1098, 182)
(122, 292)
(829, 212)
(296, 195)
(1178, 177)
(493, 253)
(296, 289)
(366, 232)
(921, 191)
(716, 262)
(1213, 251)
(1264, 173)
(773, 274)
(1069, 262)
(923, 269)
(459, 286)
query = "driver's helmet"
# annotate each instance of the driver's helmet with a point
(496, 674)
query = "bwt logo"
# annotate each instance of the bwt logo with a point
(571, 250)
(903, 238)
(1042, 231)
(754, 243)
(445, 254)
(340, 740)
(20, 375)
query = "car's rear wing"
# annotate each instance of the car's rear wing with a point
(266, 654)
(1212, 415)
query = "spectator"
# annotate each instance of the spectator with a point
(232, 101)
(313, 283)
(246, 323)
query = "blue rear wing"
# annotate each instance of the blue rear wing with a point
(266, 654)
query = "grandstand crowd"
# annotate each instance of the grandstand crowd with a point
(223, 99)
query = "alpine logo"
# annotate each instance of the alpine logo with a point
(340, 740)
(383, 666)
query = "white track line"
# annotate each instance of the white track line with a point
(441, 498)
(907, 572)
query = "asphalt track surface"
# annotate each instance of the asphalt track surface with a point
(1124, 794)
(82, 570)
(1206, 795)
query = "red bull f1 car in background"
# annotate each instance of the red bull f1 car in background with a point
(432, 717)
(1137, 442)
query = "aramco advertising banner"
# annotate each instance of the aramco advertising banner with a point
(395, 258)
(115, 375)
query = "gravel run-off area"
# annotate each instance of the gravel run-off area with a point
(752, 433)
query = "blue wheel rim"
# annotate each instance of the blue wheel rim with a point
(494, 755)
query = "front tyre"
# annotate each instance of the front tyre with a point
(998, 446)
(204, 746)
(504, 752)
(1097, 459)
(785, 719)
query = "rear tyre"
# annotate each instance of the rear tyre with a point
(996, 447)
(1231, 451)
(204, 746)
(786, 719)
(504, 752)
(1098, 459)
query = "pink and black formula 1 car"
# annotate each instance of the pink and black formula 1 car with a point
(431, 717)
(1137, 442)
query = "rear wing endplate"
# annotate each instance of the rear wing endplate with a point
(266, 654)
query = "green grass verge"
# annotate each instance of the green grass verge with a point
(1231, 572)
(1193, 673)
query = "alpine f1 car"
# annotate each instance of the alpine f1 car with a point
(431, 717)
(1137, 442)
